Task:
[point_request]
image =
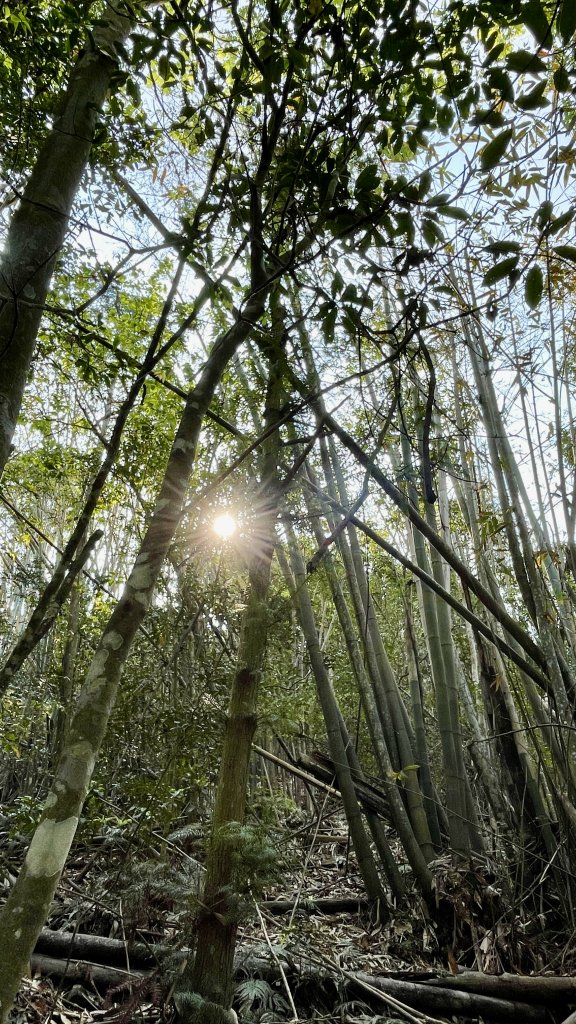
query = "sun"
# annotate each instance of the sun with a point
(224, 525)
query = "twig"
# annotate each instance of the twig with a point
(277, 961)
(416, 1016)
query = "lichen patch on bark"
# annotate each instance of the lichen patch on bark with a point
(141, 577)
(49, 847)
(77, 764)
(96, 670)
(182, 445)
(113, 641)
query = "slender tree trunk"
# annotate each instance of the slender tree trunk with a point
(24, 913)
(437, 629)
(66, 679)
(374, 728)
(205, 995)
(38, 227)
(69, 564)
(375, 824)
(421, 746)
(297, 582)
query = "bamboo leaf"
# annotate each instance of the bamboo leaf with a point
(534, 286)
(566, 252)
(567, 20)
(493, 152)
(501, 270)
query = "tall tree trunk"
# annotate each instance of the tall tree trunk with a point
(296, 579)
(25, 911)
(374, 726)
(38, 227)
(431, 805)
(205, 994)
(437, 629)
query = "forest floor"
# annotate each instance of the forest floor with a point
(298, 965)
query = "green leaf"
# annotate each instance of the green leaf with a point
(497, 80)
(488, 116)
(533, 286)
(501, 270)
(456, 212)
(431, 232)
(562, 81)
(405, 224)
(560, 222)
(566, 252)
(350, 293)
(368, 179)
(164, 67)
(566, 22)
(544, 213)
(534, 17)
(337, 284)
(501, 247)
(445, 117)
(533, 99)
(493, 152)
(440, 200)
(524, 60)
(133, 91)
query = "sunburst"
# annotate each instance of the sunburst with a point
(224, 525)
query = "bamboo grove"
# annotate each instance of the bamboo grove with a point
(311, 263)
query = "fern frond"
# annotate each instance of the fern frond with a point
(254, 991)
(194, 830)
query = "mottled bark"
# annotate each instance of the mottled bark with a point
(39, 225)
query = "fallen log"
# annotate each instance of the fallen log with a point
(298, 772)
(323, 905)
(418, 995)
(318, 770)
(421, 996)
(369, 797)
(96, 948)
(511, 986)
(101, 949)
(83, 971)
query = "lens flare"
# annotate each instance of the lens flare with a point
(224, 525)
